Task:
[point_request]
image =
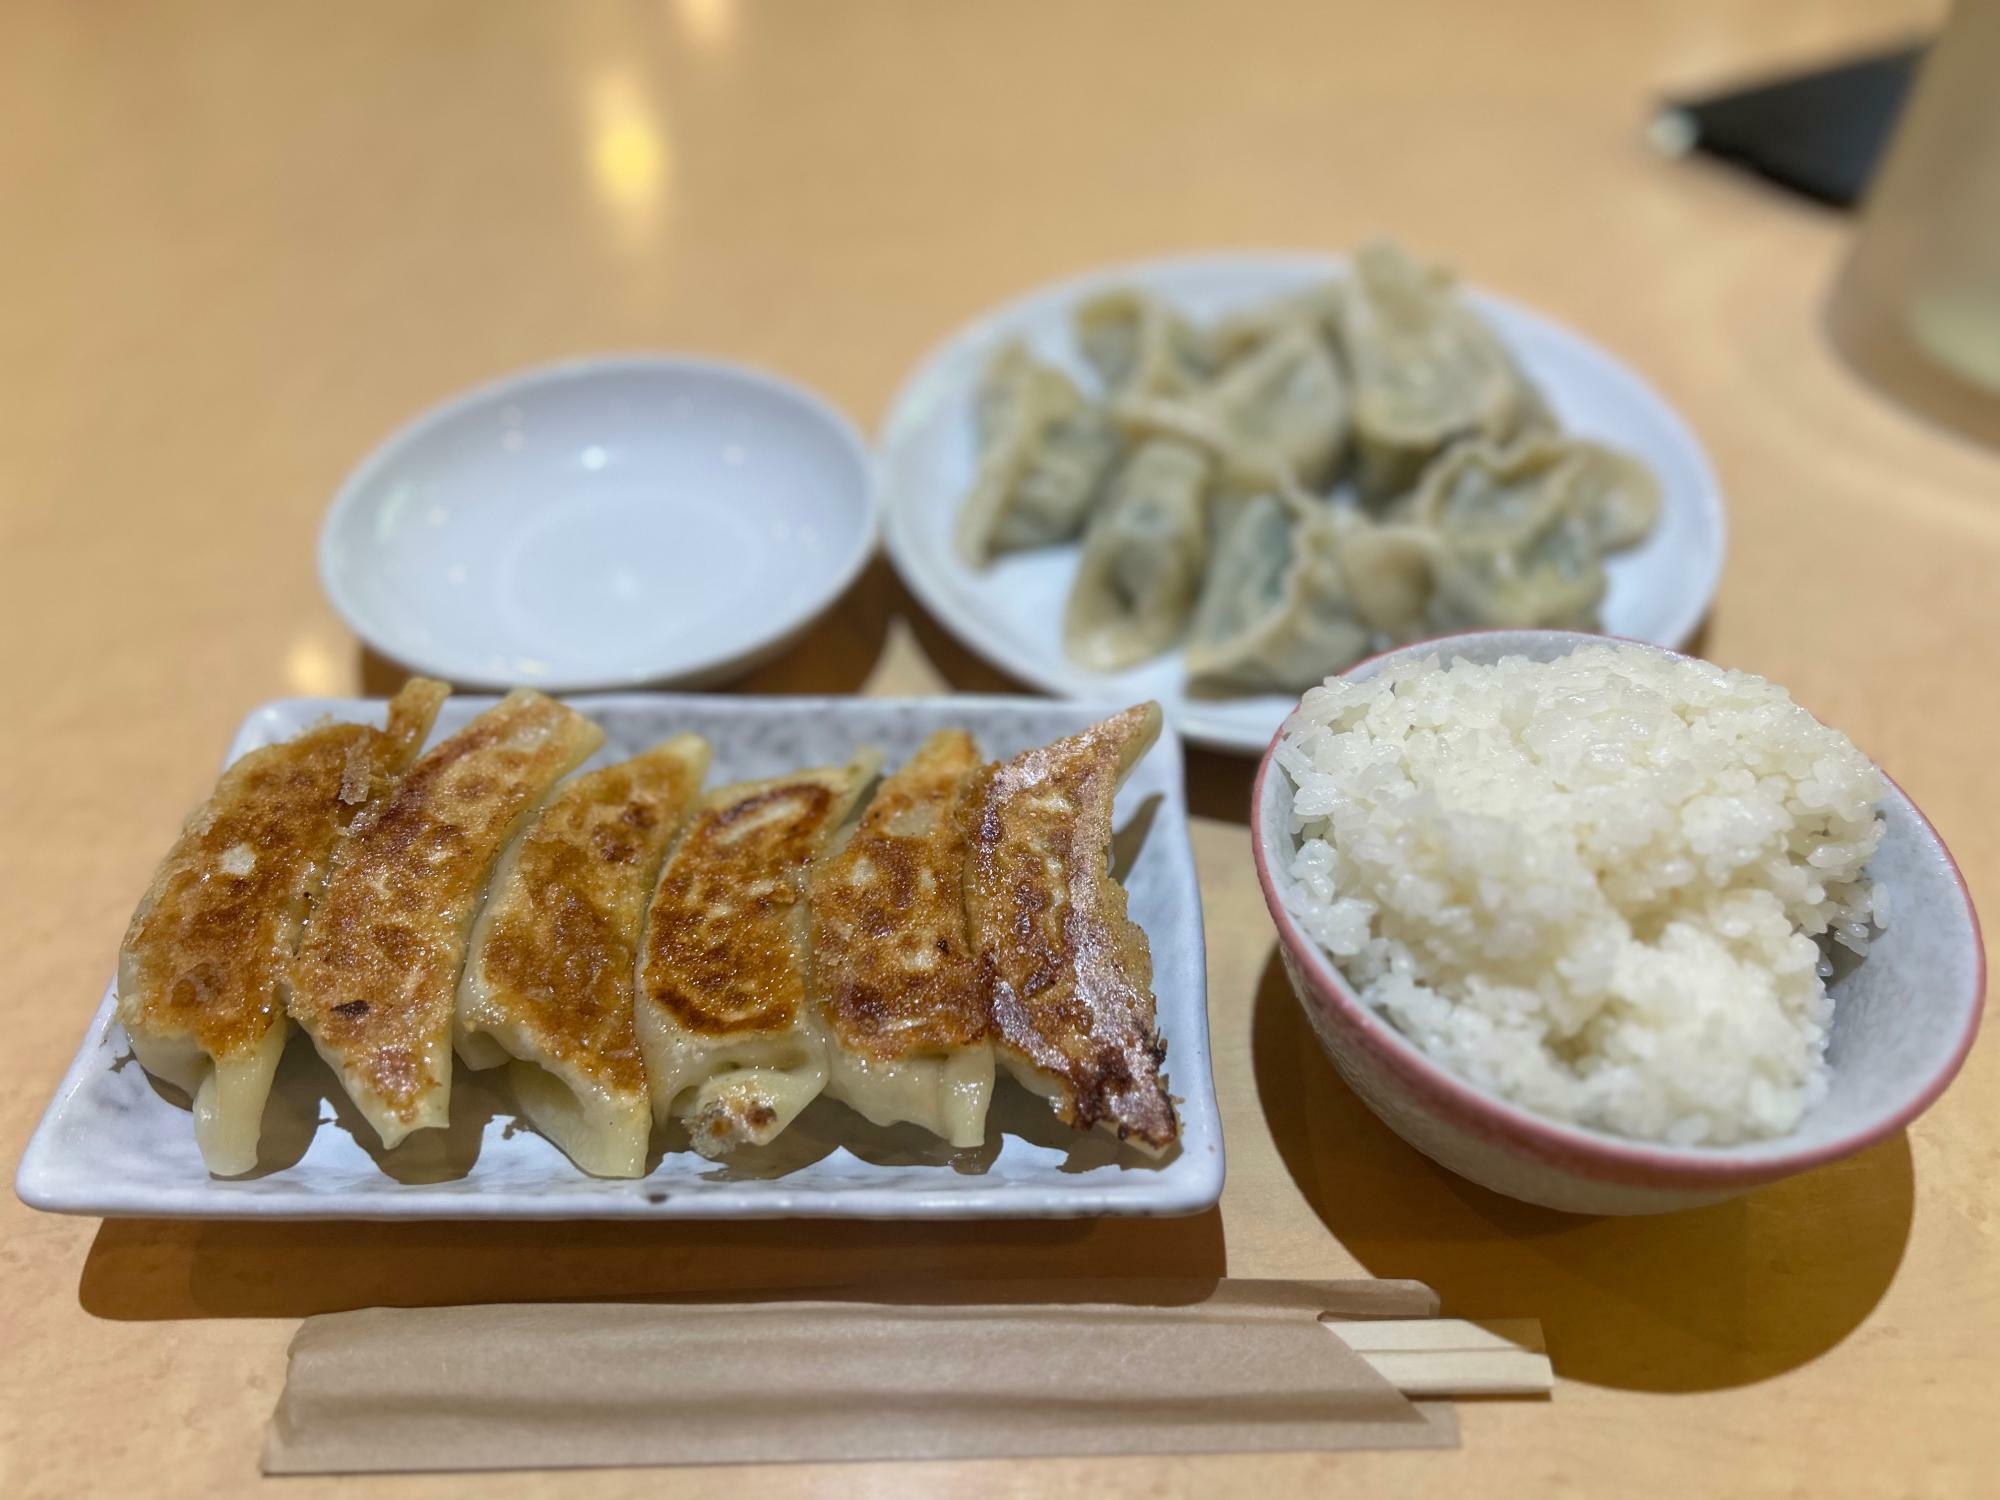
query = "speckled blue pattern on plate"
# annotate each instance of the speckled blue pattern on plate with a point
(112, 1144)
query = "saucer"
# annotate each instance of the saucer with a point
(602, 523)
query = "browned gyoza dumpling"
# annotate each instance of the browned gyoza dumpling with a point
(378, 968)
(549, 981)
(1069, 975)
(893, 975)
(732, 1048)
(204, 972)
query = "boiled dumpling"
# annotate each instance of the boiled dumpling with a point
(1617, 492)
(1141, 347)
(1517, 537)
(1045, 454)
(1316, 309)
(1391, 574)
(1299, 591)
(1277, 414)
(1426, 370)
(1142, 558)
(1274, 615)
(1481, 484)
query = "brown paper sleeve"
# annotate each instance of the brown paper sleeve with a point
(1007, 1370)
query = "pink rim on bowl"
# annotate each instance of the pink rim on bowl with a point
(1587, 1153)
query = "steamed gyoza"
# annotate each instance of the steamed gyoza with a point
(1617, 492)
(1520, 530)
(1296, 585)
(1427, 371)
(1276, 415)
(1142, 558)
(1316, 310)
(1287, 486)
(1141, 347)
(1275, 609)
(1045, 454)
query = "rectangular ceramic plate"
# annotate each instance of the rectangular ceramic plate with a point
(113, 1144)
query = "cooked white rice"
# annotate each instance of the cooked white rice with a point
(1592, 886)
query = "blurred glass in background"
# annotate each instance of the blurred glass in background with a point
(1917, 308)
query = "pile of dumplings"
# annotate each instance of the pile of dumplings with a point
(1355, 466)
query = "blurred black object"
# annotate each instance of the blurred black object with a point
(1817, 133)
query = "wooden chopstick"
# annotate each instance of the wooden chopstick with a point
(1452, 1357)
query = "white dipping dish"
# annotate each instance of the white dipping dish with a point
(112, 1144)
(1012, 612)
(602, 523)
(1903, 1021)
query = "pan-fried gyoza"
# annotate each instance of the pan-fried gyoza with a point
(379, 964)
(633, 952)
(205, 968)
(548, 984)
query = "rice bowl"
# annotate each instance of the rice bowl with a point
(1903, 1021)
(1601, 886)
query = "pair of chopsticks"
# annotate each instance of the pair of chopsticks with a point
(1451, 1356)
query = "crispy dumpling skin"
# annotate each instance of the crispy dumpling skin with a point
(203, 973)
(1068, 974)
(1426, 370)
(732, 1047)
(1278, 414)
(1517, 537)
(549, 977)
(893, 975)
(1143, 559)
(1139, 346)
(1045, 454)
(377, 974)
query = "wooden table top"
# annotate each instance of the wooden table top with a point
(240, 242)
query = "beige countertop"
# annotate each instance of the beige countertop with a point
(241, 242)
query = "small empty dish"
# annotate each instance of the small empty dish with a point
(602, 523)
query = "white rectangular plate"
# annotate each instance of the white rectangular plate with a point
(112, 1144)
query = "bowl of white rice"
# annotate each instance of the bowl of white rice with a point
(1607, 928)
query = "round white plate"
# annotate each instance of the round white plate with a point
(1011, 613)
(602, 523)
